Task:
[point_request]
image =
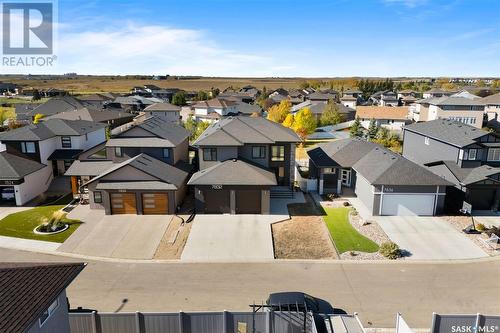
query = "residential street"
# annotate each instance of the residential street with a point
(375, 290)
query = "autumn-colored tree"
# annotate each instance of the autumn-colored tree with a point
(331, 115)
(288, 122)
(278, 113)
(37, 118)
(304, 123)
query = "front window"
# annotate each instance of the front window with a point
(166, 153)
(66, 141)
(99, 155)
(259, 152)
(118, 152)
(43, 318)
(67, 164)
(278, 153)
(472, 154)
(97, 197)
(494, 154)
(210, 154)
(28, 147)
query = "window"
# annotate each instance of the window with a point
(28, 147)
(97, 197)
(43, 318)
(494, 154)
(258, 152)
(278, 153)
(472, 154)
(210, 154)
(99, 155)
(118, 152)
(426, 140)
(66, 141)
(166, 153)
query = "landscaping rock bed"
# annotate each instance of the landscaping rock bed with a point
(460, 223)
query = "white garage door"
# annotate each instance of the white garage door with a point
(408, 204)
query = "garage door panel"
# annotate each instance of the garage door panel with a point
(217, 202)
(408, 204)
(248, 201)
(154, 203)
(123, 203)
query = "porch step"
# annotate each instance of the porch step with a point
(281, 192)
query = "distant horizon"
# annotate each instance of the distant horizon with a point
(253, 39)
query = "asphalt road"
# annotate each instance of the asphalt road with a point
(375, 290)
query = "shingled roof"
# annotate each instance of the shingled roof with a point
(238, 131)
(175, 134)
(28, 289)
(51, 128)
(449, 131)
(15, 167)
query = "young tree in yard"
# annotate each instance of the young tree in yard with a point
(304, 123)
(200, 128)
(278, 113)
(356, 130)
(190, 125)
(288, 122)
(179, 98)
(372, 129)
(202, 95)
(331, 115)
(36, 95)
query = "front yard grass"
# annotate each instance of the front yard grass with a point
(344, 235)
(21, 224)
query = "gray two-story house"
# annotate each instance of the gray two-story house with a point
(241, 160)
(142, 170)
(463, 154)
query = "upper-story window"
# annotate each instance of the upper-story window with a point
(52, 308)
(259, 152)
(210, 154)
(277, 153)
(166, 153)
(118, 152)
(28, 147)
(99, 155)
(427, 140)
(494, 154)
(472, 154)
(66, 141)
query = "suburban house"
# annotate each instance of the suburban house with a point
(388, 98)
(164, 111)
(492, 106)
(464, 110)
(214, 109)
(385, 182)
(278, 95)
(33, 297)
(34, 154)
(463, 154)
(392, 118)
(436, 93)
(110, 117)
(142, 170)
(407, 93)
(322, 96)
(317, 110)
(349, 101)
(241, 161)
(8, 89)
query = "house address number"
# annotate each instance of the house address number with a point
(216, 187)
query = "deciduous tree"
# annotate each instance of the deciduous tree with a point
(331, 115)
(304, 123)
(278, 113)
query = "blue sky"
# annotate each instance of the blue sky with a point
(280, 38)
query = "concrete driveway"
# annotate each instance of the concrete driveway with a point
(116, 236)
(7, 210)
(230, 238)
(428, 238)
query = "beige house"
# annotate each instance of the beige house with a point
(491, 106)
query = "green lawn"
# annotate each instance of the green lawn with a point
(345, 236)
(21, 224)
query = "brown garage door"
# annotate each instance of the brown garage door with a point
(154, 203)
(123, 203)
(217, 202)
(248, 202)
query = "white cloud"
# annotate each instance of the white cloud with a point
(152, 49)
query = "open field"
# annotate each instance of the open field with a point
(95, 84)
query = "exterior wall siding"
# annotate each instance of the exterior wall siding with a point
(34, 185)
(57, 322)
(415, 149)
(223, 154)
(364, 190)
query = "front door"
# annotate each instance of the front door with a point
(55, 170)
(280, 176)
(346, 177)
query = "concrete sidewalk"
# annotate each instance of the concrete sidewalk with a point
(28, 244)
